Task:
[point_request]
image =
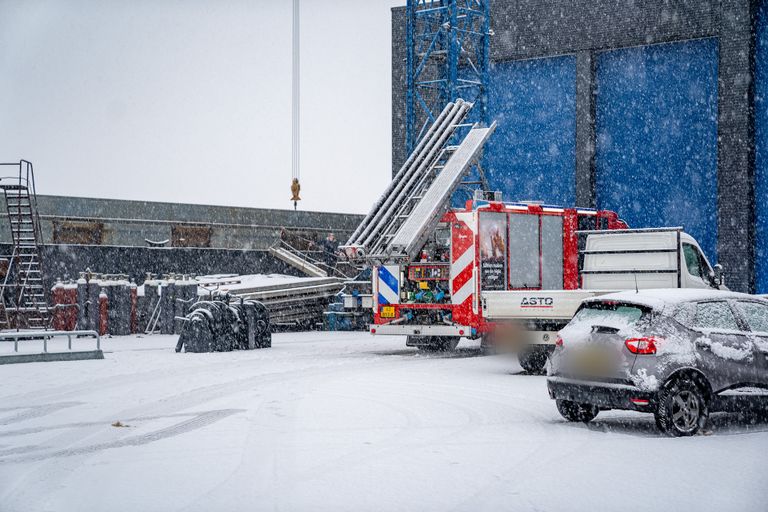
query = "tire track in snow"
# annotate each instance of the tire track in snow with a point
(198, 420)
(34, 411)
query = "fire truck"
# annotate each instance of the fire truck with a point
(442, 273)
(487, 246)
(431, 262)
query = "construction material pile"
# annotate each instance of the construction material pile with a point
(292, 302)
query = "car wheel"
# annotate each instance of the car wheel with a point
(533, 359)
(574, 411)
(682, 409)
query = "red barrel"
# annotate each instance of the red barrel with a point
(134, 308)
(103, 313)
(59, 312)
(70, 311)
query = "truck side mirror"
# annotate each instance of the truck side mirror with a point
(718, 275)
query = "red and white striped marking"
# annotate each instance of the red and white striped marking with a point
(462, 259)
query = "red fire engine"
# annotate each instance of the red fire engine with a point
(487, 246)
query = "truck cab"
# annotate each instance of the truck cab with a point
(646, 258)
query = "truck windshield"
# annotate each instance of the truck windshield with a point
(693, 261)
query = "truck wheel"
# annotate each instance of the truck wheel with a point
(574, 411)
(487, 348)
(682, 408)
(433, 343)
(533, 358)
(448, 343)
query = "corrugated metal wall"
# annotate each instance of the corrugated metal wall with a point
(656, 126)
(531, 156)
(761, 149)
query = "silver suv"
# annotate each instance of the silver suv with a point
(679, 354)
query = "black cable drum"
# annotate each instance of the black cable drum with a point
(218, 326)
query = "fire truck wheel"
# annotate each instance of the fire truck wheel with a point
(533, 358)
(448, 343)
(434, 343)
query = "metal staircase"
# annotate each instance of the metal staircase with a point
(411, 206)
(308, 255)
(22, 295)
(294, 258)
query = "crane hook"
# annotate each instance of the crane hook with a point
(295, 189)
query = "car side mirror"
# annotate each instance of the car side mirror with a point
(718, 276)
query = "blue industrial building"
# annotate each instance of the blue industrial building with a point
(656, 109)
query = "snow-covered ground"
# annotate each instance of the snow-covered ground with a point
(342, 421)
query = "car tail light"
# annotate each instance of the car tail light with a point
(642, 346)
(558, 341)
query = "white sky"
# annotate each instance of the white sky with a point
(189, 101)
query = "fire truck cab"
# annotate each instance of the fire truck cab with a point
(487, 246)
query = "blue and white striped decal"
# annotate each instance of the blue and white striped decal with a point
(388, 285)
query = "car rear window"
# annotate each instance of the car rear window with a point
(611, 314)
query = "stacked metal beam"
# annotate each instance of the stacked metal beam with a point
(295, 304)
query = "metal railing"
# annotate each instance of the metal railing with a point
(46, 335)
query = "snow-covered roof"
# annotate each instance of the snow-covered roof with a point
(659, 297)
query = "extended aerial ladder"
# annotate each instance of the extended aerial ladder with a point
(409, 210)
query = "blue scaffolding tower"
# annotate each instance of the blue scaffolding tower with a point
(447, 58)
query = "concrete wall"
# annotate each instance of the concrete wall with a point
(130, 223)
(67, 261)
(239, 241)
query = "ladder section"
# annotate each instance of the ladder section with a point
(425, 215)
(432, 154)
(23, 295)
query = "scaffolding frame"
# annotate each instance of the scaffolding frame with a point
(447, 57)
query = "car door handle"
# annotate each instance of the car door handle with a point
(704, 343)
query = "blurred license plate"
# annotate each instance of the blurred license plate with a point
(388, 312)
(595, 362)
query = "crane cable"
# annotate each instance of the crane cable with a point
(296, 104)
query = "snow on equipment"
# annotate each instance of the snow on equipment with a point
(217, 326)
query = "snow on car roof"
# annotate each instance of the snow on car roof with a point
(659, 297)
